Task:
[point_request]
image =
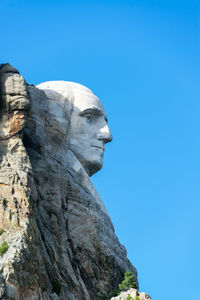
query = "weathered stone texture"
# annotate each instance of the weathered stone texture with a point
(62, 244)
(17, 221)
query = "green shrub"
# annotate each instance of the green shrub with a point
(1, 231)
(57, 286)
(128, 282)
(137, 298)
(114, 293)
(104, 297)
(3, 248)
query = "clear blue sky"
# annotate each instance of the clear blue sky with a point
(142, 59)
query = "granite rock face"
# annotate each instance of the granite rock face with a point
(61, 241)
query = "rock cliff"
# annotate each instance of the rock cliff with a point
(59, 239)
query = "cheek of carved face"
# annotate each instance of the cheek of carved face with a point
(89, 132)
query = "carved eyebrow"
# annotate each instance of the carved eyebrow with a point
(94, 110)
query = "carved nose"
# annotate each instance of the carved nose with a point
(105, 134)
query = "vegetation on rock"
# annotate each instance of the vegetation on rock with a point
(114, 293)
(1, 231)
(3, 248)
(128, 282)
(131, 298)
(57, 286)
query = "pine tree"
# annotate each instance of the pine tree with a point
(128, 282)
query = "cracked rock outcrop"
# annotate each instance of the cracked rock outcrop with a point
(132, 294)
(61, 241)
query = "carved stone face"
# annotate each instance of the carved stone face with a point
(89, 131)
(81, 114)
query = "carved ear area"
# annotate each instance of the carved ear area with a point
(14, 101)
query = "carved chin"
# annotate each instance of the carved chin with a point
(93, 167)
(92, 161)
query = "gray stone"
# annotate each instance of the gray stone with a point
(7, 68)
(62, 244)
(13, 84)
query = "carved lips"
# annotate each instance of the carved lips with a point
(99, 147)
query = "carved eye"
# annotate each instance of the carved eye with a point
(89, 117)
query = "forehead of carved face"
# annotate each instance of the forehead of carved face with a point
(89, 131)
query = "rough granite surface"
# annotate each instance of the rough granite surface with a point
(61, 241)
